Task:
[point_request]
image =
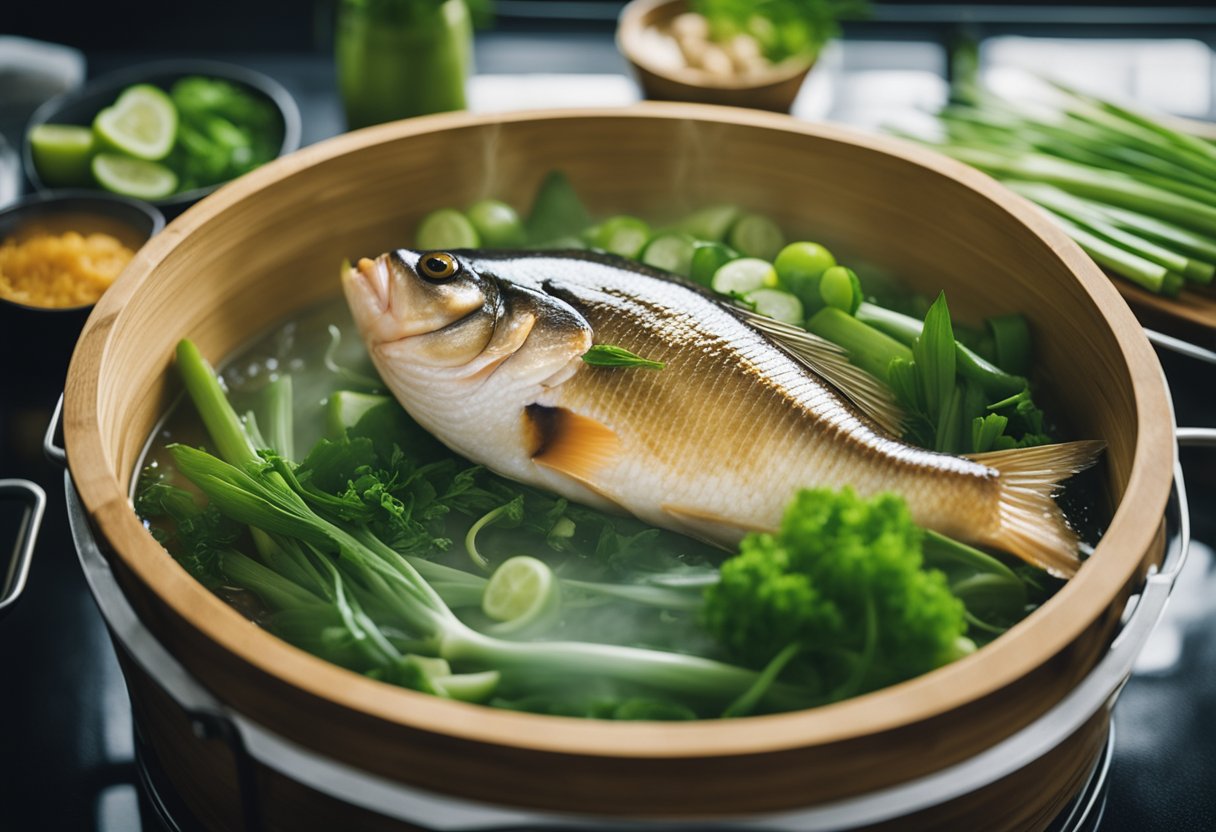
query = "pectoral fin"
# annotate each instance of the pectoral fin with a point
(571, 444)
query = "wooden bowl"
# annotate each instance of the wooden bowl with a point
(269, 245)
(775, 90)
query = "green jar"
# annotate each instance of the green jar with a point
(402, 58)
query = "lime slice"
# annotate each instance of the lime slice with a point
(497, 224)
(61, 153)
(522, 594)
(445, 229)
(133, 177)
(142, 123)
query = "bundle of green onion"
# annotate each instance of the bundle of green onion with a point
(1138, 196)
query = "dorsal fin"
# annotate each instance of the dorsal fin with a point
(570, 443)
(871, 396)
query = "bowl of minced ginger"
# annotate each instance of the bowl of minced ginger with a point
(58, 253)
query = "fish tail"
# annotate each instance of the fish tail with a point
(1031, 525)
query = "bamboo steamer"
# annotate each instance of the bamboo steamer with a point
(268, 245)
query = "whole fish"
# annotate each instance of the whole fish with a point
(484, 350)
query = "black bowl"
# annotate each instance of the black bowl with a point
(36, 342)
(81, 106)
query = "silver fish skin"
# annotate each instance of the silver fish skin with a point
(489, 360)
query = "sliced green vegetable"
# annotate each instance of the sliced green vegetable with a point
(142, 123)
(62, 153)
(747, 274)
(133, 177)
(670, 251)
(710, 224)
(497, 224)
(868, 348)
(1012, 342)
(523, 595)
(623, 235)
(446, 228)
(755, 235)
(707, 258)
(346, 407)
(783, 306)
(839, 287)
(799, 267)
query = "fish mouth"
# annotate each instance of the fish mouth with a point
(375, 276)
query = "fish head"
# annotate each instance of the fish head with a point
(428, 304)
(445, 333)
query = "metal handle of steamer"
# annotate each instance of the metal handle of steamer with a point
(440, 812)
(1169, 342)
(27, 534)
(53, 452)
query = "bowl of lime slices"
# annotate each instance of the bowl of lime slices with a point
(167, 133)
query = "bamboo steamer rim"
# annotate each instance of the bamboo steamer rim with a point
(1045, 633)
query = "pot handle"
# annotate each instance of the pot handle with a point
(27, 535)
(1196, 437)
(53, 452)
(1169, 342)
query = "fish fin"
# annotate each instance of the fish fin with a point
(1031, 524)
(820, 355)
(571, 444)
(694, 516)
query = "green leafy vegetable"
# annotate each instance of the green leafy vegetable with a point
(606, 355)
(843, 581)
(784, 28)
(1134, 193)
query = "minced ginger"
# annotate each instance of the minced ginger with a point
(60, 270)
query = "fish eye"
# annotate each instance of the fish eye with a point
(438, 265)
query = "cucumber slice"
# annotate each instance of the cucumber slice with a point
(142, 123)
(738, 277)
(62, 153)
(671, 251)
(777, 304)
(710, 224)
(707, 258)
(133, 177)
(446, 228)
(497, 223)
(623, 235)
(755, 235)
